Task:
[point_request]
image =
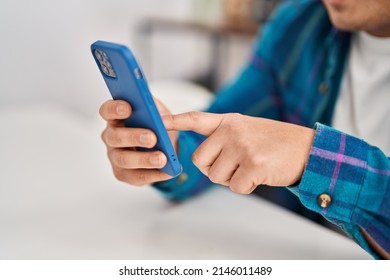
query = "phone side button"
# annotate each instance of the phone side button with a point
(138, 73)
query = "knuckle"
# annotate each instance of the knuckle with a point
(132, 138)
(169, 118)
(241, 188)
(245, 147)
(235, 188)
(160, 159)
(120, 159)
(245, 191)
(112, 138)
(232, 122)
(196, 159)
(215, 177)
(242, 151)
(231, 128)
(140, 178)
(215, 180)
(255, 161)
(234, 115)
(146, 139)
(120, 174)
(249, 188)
(194, 116)
(143, 160)
(234, 118)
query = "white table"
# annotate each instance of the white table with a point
(59, 200)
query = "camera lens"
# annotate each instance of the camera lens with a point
(105, 70)
(112, 73)
(108, 64)
(98, 55)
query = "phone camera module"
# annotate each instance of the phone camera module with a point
(105, 64)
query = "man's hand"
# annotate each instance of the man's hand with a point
(129, 165)
(243, 152)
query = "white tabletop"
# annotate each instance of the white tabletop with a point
(59, 200)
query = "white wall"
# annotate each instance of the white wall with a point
(45, 55)
(45, 46)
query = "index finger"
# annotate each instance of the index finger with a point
(200, 122)
(112, 110)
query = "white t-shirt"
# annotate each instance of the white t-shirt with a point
(363, 106)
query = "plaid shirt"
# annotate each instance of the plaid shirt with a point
(294, 75)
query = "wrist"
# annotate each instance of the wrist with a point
(308, 140)
(305, 142)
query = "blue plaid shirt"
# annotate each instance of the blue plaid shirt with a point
(294, 75)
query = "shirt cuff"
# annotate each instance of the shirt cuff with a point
(333, 179)
(332, 182)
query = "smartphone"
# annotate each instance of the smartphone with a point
(125, 81)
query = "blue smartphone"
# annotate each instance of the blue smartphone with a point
(125, 81)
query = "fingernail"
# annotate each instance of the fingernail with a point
(144, 138)
(121, 109)
(155, 160)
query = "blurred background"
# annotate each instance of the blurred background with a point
(58, 196)
(45, 45)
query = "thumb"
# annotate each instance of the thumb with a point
(199, 122)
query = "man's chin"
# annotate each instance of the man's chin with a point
(342, 21)
(344, 26)
(339, 14)
(336, 4)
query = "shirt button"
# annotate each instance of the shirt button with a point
(323, 88)
(324, 200)
(182, 178)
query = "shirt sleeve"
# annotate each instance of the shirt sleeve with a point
(348, 182)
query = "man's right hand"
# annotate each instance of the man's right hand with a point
(129, 165)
